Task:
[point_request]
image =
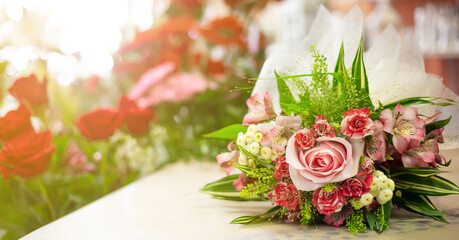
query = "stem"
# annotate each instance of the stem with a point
(45, 195)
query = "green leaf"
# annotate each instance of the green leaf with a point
(445, 164)
(371, 219)
(340, 70)
(287, 102)
(419, 102)
(249, 219)
(418, 204)
(378, 218)
(224, 189)
(229, 132)
(417, 171)
(428, 186)
(358, 70)
(437, 125)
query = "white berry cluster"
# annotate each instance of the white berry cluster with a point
(251, 141)
(382, 188)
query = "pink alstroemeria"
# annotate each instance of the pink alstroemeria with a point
(226, 160)
(261, 109)
(419, 156)
(432, 145)
(277, 135)
(375, 146)
(436, 134)
(405, 126)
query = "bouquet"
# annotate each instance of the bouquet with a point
(331, 155)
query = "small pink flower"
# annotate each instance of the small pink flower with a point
(241, 181)
(323, 128)
(367, 166)
(333, 160)
(285, 194)
(328, 202)
(357, 123)
(77, 160)
(261, 109)
(275, 136)
(375, 146)
(281, 169)
(405, 126)
(305, 139)
(226, 160)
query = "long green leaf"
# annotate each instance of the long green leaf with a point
(417, 171)
(229, 132)
(249, 219)
(419, 102)
(418, 204)
(287, 102)
(437, 125)
(428, 186)
(224, 189)
(340, 70)
(358, 70)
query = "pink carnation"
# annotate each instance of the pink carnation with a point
(357, 123)
(328, 202)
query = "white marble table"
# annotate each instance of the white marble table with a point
(168, 205)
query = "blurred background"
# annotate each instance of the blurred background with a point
(132, 86)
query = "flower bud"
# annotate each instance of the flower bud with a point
(378, 173)
(251, 163)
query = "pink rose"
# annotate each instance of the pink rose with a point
(333, 160)
(328, 202)
(305, 139)
(323, 128)
(286, 195)
(355, 187)
(281, 169)
(357, 123)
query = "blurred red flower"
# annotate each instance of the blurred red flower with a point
(224, 31)
(165, 43)
(188, 4)
(99, 124)
(26, 156)
(16, 123)
(30, 90)
(135, 118)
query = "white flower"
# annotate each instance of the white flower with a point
(254, 148)
(242, 160)
(266, 153)
(378, 173)
(382, 184)
(384, 196)
(366, 199)
(240, 139)
(390, 184)
(258, 137)
(253, 129)
(251, 163)
(249, 138)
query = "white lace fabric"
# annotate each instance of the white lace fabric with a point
(395, 67)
